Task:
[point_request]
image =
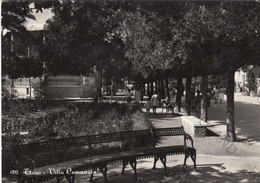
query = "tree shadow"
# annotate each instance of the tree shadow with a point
(210, 133)
(247, 120)
(164, 115)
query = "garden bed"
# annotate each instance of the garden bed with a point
(58, 119)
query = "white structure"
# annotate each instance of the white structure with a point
(68, 86)
(240, 78)
(22, 87)
(193, 126)
(61, 86)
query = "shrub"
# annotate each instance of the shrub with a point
(58, 119)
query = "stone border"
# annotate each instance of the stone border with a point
(195, 127)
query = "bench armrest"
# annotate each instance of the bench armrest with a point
(188, 137)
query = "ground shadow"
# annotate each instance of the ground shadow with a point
(210, 133)
(163, 115)
(208, 173)
(205, 173)
(247, 119)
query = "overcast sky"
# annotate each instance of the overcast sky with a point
(41, 18)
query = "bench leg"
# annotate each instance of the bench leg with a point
(163, 160)
(133, 165)
(20, 179)
(91, 177)
(59, 179)
(155, 160)
(125, 162)
(103, 170)
(70, 178)
(193, 157)
(92, 174)
(132, 162)
(186, 157)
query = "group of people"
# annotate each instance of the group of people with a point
(152, 103)
(219, 97)
(137, 96)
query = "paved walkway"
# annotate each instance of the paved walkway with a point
(217, 161)
(247, 118)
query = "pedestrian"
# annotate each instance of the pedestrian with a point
(208, 99)
(216, 96)
(137, 95)
(172, 96)
(198, 99)
(147, 105)
(221, 97)
(154, 102)
(128, 96)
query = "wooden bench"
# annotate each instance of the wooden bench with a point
(46, 160)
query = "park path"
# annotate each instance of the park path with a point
(247, 118)
(215, 162)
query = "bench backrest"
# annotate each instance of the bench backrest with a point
(64, 143)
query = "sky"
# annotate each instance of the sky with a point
(41, 18)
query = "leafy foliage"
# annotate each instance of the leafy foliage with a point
(45, 120)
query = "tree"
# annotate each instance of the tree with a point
(251, 81)
(14, 17)
(81, 37)
(241, 27)
(17, 39)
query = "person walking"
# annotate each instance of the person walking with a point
(147, 105)
(221, 97)
(137, 95)
(128, 96)
(154, 102)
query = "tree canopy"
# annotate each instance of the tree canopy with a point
(144, 38)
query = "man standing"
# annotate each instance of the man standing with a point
(154, 102)
(137, 95)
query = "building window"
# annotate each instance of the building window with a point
(27, 91)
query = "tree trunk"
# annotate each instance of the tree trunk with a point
(204, 90)
(143, 91)
(115, 87)
(156, 87)
(30, 87)
(159, 87)
(12, 88)
(148, 89)
(188, 96)
(159, 91)
(231, 135)
(162, 89)
(152, 89)
(112, 89)
(100, 85)
(98, 77)
(179, 93)
(167, 88)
